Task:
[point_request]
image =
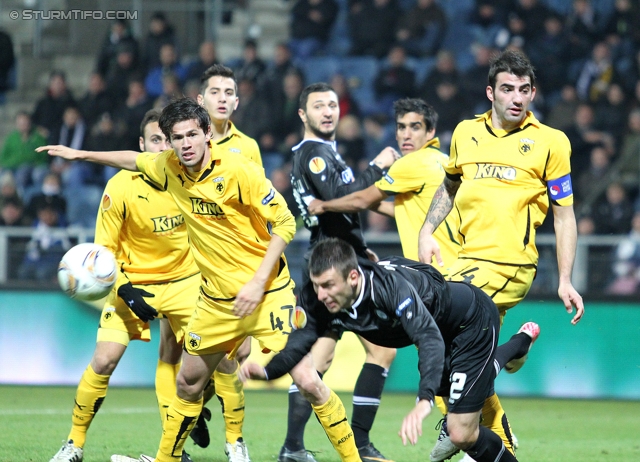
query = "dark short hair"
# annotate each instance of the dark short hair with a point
(152, 115)
(514, 62)
(217, 70)
(332, 253)
(419, 106)
(318, 87)
(180, 110)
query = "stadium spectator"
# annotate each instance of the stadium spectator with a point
(350, 142)
(596, 74)
(287, 127)
(395, 80)
(562, 111)
(584, 29)
(160, 33)
(49, 109)
(378, 134)
(105, 135)
(487, 24)
(612, 213)
(8, 188)
(272, 85)
(119, 33)
(584, 136)
(372, 25)
(422, 28)
(96, 100)
(18, 154)
(280, 179)
(51, 195)
(132, 111)
(532, 13)
(125, 70)
(628, 163)
(171, 89)
(12, 213)
(597, 172)
(7, 61)
(250, 66)
(473, 81)
(253, 111)
(310, 23)
(626, 266)
(46, 247)
(169, 64)
(446, 69)
(207, 57)
(348, 104)
(612, 112)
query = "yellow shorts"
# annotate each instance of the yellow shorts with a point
(174, 300)
(507, 285)
(213, 328)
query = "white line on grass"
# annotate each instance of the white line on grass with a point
(130, 410)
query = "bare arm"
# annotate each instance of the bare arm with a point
(252, 292)
(118, 159)
(386, 208)
(440, 207)
(351, 203)
(566, 238)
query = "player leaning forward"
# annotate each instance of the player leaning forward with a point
(227, 203)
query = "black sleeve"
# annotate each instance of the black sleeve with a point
(421, 328)
(330, 183)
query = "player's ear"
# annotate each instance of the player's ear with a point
(141, 141)
(303, 115)
(353, 277)
(490, 93)
(200, 99)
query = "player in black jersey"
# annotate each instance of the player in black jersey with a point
(319, 172)
(399, 302)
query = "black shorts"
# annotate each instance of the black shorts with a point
(469, 373)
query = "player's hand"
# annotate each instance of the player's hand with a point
(372, 256)
(570, 297)
(60, 151)
(133, 297)
(316, 207)
(251, 370)
(429, 248)
(386, 158)
(412, 424)
(248, 298)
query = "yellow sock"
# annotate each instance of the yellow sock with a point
(181, 417)
(333, 418)
(166, 374)
(493, 417)
(441, 405)
(91, 392)
(231, 394)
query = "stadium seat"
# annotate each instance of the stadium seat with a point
(360, 72)
(422, 67)
(320, 68)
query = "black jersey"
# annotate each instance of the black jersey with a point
(320, 173)
(402, 303)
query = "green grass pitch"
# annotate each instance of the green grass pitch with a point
(35, 420)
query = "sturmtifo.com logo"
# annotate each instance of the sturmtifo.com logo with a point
(73, 14)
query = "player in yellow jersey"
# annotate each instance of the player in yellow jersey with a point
(238, 227)
(143, 227)
(218, 95)
(504, 169)
(411, 180)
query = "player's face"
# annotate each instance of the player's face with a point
(321, 114)
(411, 132)
(153, 140)
(219, 98)
(510, 100)
(334, 291)
(191, 145)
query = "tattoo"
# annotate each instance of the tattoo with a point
(442, 202)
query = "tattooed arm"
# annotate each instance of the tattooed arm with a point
(441, 205)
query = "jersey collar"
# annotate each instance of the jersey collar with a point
(233, 131)
(333, 143)
(432, 143)
(530, 119)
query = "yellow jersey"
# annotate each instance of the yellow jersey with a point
(145, 230)
(230, 210)
(238, 143)
(508, 179)
(412, 181)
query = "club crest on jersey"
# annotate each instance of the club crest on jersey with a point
(193, 340)
(500, 172)
(526, 146)
(106, 202)
(109, 312)
(317, 165)
(347, 176)
(219, 184)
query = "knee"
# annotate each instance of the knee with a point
(463, 437)
(311, 386)
(188, 389)
(227, 366)
(104, 364)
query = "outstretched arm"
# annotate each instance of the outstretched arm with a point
(441, 205)
(118, 159)
(566, 238)
(351, 203)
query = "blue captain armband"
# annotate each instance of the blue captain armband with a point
(560, 188)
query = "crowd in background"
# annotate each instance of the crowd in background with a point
(588, 85)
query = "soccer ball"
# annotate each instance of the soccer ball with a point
(87, 272)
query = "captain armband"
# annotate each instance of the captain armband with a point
(559, 189)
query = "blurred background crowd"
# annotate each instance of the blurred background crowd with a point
(586, 52)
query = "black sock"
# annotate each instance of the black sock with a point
(490, 448)
(299, 412)
(517, 346)
(366, 399)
